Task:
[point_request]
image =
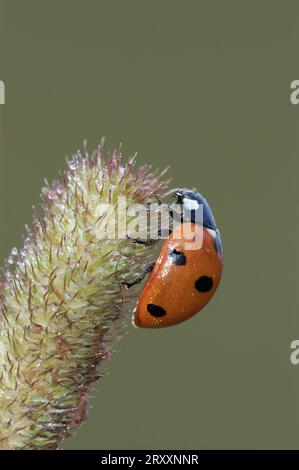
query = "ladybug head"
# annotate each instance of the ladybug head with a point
(191, 201)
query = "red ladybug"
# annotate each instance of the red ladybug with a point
(183, 280)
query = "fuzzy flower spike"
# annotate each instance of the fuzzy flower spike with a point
(61, 299)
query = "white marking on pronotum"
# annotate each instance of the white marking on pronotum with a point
(212, 232)
(190, 204)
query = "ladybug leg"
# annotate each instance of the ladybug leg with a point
(142, 242)
(148, 269)
(158, 200)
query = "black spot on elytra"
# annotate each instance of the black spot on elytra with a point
(155, 310)
(177, 257)
(204, 284)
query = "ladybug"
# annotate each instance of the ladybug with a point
(183, 280)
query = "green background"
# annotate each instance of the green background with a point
(202, 86)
